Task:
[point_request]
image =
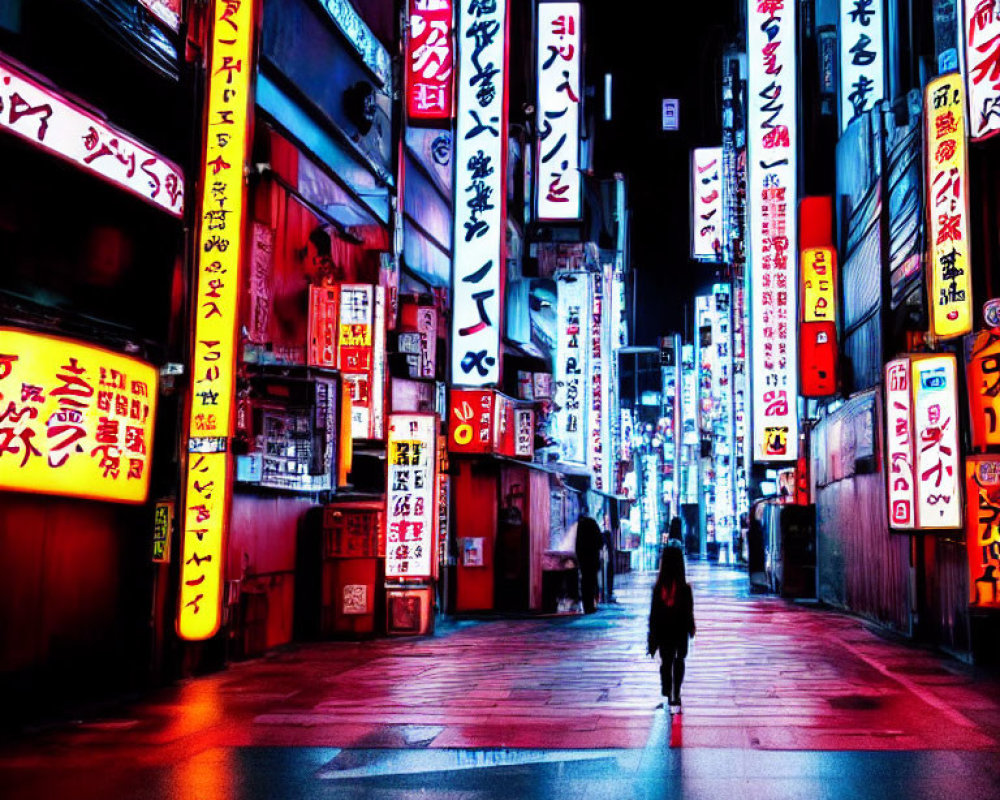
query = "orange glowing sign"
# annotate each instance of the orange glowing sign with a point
(950, 298)
(983, 379)
(75, 419)
(220, 239)
(982, 521)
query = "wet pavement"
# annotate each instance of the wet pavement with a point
(780, 700)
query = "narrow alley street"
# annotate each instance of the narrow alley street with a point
(780, 698)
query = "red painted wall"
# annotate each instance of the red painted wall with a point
(475, 516)
(74, 601)
(261, 550)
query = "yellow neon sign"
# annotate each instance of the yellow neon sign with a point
(75, 420)
(819, 287)
(214, 358)
(950, 298)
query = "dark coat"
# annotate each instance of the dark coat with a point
(589, 541)
(670, 626)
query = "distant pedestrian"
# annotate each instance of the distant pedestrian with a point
(675, 530)
(588, 556)
(671, 622)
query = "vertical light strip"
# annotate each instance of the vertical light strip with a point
(213, 379)
(772, 199)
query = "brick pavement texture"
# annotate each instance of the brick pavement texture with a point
(763, 673)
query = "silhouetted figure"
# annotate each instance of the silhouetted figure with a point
(671, 621)
(609, 565)
(675, 530)
(588, 556)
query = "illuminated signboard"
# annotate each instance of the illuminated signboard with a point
(706, 203)
(480, 191)
(470, 421)
(899, 445)
(982, 51)
(77, 420)
(819, 285)
(818, 332)
(772, 156)
(862, 51)
(558, 117)
(220, 244)
(361, 328)
(982, 529)
(950, 298)
(983, 379)
(935, 435)
(412, 495)
(430, 67)
(42, 117)
(572, 365)
(596, 422)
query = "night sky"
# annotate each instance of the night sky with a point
(654, 51)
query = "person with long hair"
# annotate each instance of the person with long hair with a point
(671, 622)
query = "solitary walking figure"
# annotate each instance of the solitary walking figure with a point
(671, 622)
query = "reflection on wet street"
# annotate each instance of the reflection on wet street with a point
(781, 700)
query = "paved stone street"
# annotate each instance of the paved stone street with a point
(525, 696)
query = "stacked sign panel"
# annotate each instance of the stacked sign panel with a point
(772, 143)
(573, 339)
(480, 193)
(706, 203)
(558, 120)
(412, 496)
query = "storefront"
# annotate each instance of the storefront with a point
(92, 210)
(308, 405)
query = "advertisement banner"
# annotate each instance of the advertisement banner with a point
(429, 61)
(470, 421)
(982, 529)
(77, 420)
(411, 496)
(45, 119)
(862, 57)
(899, 445)
(772, 197)
(355, 353)
(480, 189)
(596, 422)
(572, 365)
(706, 203)
(220, 244)
(558, 116)
(947, 193)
